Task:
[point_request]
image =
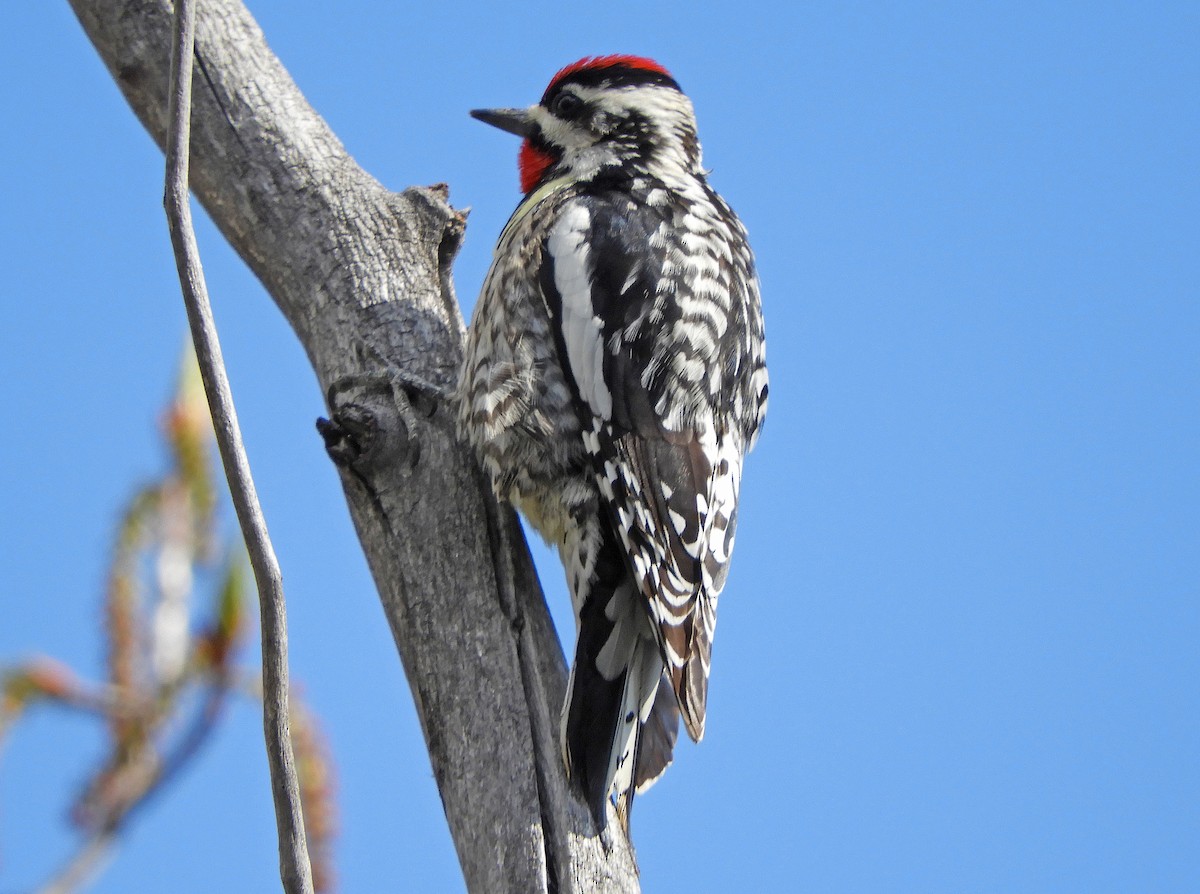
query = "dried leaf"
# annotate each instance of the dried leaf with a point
(217, 644)
(124, 626)
(190, 437)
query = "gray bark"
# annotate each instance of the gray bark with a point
(363, 277)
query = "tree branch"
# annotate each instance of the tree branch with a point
(294, 867)
(362, 275)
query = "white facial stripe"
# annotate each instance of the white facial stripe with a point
(566, 134)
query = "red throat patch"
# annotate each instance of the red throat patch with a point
(533, 163)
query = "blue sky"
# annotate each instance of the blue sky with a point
(959, 647)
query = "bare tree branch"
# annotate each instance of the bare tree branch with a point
(294, 865)
(363, 276)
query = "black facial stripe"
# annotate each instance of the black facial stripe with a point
(538, 141)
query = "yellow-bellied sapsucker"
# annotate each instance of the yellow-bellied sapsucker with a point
(613, 381)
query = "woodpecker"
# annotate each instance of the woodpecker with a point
(613, 380)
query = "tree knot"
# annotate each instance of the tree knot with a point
(375, 420)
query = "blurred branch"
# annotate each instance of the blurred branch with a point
(293, 849)
(126, 788)
(159, 714)
(159, 717)
(316, 771)
(82, 866)
(44, 679)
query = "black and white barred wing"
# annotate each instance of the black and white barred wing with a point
(647, 362)
(677, 525)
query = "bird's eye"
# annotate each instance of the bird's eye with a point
(566, 105)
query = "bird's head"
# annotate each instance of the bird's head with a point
(604, 116)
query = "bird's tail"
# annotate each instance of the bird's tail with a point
(619, 725)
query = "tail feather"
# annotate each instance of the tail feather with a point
(693, 676)
(618, 732)
(656, 747)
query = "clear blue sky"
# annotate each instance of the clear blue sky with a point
(960, 646)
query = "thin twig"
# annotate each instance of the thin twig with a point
(293, 850)
(83, 865)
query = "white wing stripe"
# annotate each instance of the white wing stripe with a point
(582, 330)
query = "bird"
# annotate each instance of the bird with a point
(613, 380)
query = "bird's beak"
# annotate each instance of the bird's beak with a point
(513, 120)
